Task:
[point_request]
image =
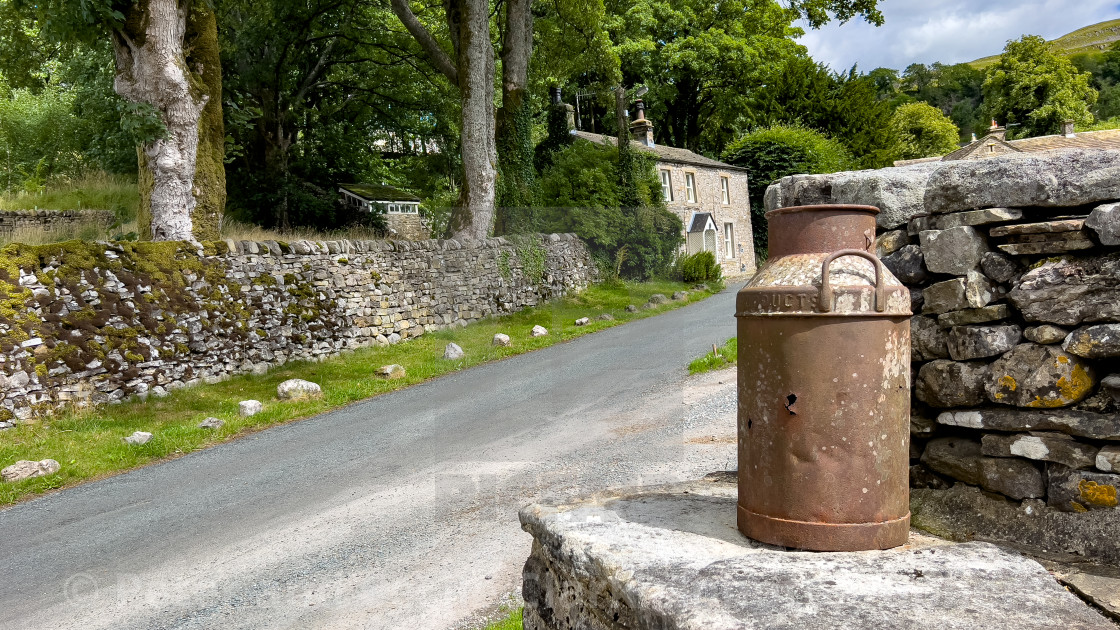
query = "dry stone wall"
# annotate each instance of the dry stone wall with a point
(1014, 269)
(85, 323)
(50, 220)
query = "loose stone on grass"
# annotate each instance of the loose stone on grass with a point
(298, 389)
(583, 321)
(453, 352)
(658, 298)
(630, 308)
(25, 469)
(500, 339)
(605, 317)
(680, 295)
(211, 423)
(390, 372)
(138, 438)
(247, 408)
(538, 331)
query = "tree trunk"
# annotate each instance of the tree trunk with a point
(203, 56)
(152, 68)
(473, 217)
(514, 126)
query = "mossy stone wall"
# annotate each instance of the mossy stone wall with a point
(84, 323)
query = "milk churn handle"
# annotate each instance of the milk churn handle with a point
(825, 303)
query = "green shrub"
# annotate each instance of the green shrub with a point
(771, 153)
(579, 192)
(700, 267)
(920, 130)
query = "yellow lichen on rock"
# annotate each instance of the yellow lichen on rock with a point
(1096, 494)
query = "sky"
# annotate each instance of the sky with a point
(949, 31)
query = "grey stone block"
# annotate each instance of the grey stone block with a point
(980, 342)
(670, 557)
(954, 251)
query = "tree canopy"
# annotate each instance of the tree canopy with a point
(1033, 87)
(920, 130)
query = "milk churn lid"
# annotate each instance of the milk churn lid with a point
(844, 283)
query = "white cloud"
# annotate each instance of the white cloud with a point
(949, 31)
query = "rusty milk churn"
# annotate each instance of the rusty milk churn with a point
(824, 387)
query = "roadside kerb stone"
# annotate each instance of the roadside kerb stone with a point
(670, 557)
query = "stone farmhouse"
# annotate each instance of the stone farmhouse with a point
(402, 209)
(709, 196)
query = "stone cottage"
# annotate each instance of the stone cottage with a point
(709, 196)
(401, 209)
(995, 144)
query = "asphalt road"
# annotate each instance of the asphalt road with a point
(399, 511)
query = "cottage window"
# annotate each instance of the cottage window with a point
(725, 191)
(666, 185)
(690, 187)
(728, 236)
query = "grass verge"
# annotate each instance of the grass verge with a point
(716, 359)
(88, 443)
(512, 622)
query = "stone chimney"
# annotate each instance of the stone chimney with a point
(559, 106)
(996, 131)
(640, 128)
(1067, 128)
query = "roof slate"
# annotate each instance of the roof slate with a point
(699, 222)
(663, 153)
(379, 192)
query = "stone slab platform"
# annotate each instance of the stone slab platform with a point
(670, 557)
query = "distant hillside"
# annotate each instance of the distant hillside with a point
(1091, 38)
